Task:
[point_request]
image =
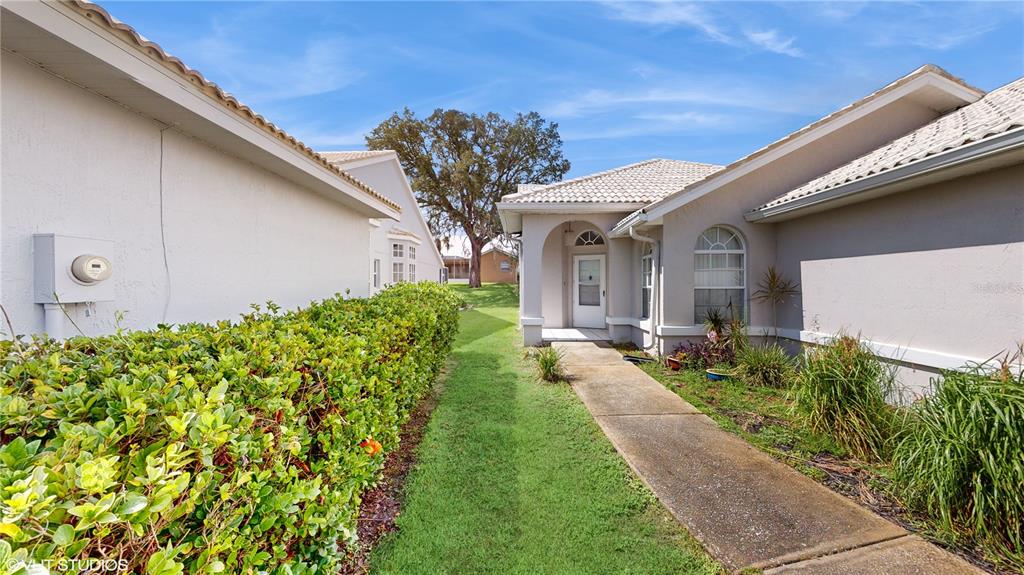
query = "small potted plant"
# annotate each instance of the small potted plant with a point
(675, 361)
(720, 372)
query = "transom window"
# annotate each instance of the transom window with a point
(412, 252)
(719, 274)
(589, 238)
(397, 250)
(646, 280)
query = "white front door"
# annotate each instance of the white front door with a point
(588, 291)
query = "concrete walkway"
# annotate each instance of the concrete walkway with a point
(748, 509)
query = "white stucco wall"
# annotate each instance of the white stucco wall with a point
(387, 178)
(76, 163)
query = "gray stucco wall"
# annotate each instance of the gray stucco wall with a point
(940, 268)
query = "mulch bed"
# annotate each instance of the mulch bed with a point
(382, 504)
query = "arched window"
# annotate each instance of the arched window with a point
(719, 274)
(589, 238)
(646, 279)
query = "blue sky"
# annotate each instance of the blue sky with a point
(625, 81)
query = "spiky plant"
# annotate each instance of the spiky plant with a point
(775, 289)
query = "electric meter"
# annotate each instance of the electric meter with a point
(90, 269)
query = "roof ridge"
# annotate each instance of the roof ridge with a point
(90, 10)
(556, 185)
(991, 101)
(824, 120)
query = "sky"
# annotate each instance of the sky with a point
(625, 81)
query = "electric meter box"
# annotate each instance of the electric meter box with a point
(75, 269)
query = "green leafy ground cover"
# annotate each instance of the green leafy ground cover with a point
(238, 447)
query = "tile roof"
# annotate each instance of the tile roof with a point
(639, 183)
(996, 113)
(849, 108)
(354, 155)
(98, 14)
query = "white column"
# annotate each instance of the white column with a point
(531, 315)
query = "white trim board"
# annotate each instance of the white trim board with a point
(903, 354)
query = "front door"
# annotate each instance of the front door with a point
(588, 291)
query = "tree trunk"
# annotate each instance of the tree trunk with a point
(475, 247)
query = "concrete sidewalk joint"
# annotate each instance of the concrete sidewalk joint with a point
(748, 509)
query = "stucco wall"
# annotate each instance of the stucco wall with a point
(940, 268)
(546, 265)
(78, 164)
(727, 204)
(387, 179)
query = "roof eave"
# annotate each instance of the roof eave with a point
(1005, 149)
(926, 77)
(162, 87)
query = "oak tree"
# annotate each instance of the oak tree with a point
(460, 165)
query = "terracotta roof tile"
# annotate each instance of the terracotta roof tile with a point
(639, 183)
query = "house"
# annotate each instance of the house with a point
(457, 266)
(899, 215)
(498, 265)
(140, 193)
(402, 250)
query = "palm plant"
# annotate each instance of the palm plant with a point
(775, 289)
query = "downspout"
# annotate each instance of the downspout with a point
(655, 282)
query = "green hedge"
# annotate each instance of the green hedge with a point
(237, 447)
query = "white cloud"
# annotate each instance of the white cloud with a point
(692, 91)
(719, 27)
(773, 42)
(663, 13)
(257, 74)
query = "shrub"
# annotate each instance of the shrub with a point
(767, 366)
(841, 390)
(237, 446)
(961, 458)
(704, 354)
(549, 364)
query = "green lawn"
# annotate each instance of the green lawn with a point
(514, 476)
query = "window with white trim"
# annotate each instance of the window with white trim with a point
(412, 252)
(376, 273)
(719, 274)
(589, 238)
(505, 266)
(397, 272)
(646, 280)
(397, 250)
(412, 272)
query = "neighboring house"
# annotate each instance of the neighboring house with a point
(458, 267)
(195, 205)
(899, 215)
(498, 265)
(402, 250)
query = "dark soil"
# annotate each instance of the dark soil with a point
(382, 504)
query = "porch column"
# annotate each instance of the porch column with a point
(531, 315)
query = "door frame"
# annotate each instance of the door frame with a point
(575, 288)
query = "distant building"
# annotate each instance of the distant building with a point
(458, 267)
(498, 265)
